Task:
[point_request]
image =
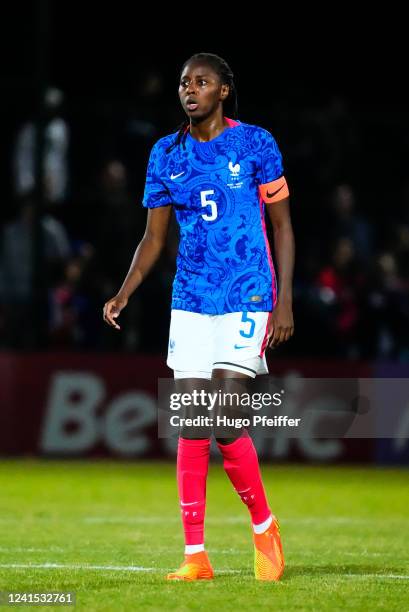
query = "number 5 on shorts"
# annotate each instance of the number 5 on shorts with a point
(246, 319)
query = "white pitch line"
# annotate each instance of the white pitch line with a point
(129, 519)
(115, 568)
(136, 568)
(391, 576)
(232, 520)
(134, 520)
(109, 568)
(225, 520)
(342, 553)
(240, 520)
(215, 551)
(20, 549)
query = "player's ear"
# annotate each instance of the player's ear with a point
(225, 91)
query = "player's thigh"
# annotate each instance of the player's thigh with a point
(240, 341)
(191, 345)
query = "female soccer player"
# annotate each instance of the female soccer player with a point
(218, 173)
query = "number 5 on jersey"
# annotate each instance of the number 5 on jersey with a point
(213, 206)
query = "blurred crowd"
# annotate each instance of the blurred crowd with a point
(351, 287)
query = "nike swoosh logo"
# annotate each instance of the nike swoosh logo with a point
(270, 195)
(174, 176)
(238, 346)
(188, 503)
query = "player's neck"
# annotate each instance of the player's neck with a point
(208, 128)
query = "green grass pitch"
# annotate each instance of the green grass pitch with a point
(111, 530)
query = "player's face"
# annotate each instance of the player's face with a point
(200, 91)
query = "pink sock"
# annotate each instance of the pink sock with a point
(192, 467)
(241, 466)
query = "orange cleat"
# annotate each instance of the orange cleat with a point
(194, 567)
(268, 553)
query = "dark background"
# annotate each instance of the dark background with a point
(329, 86)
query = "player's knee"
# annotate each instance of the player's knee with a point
(229, 440)
(195, 433)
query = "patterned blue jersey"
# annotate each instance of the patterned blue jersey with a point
(216, 190)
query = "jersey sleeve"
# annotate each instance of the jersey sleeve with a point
(272, 184)
(156, 193)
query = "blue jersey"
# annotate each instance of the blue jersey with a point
(217, 190)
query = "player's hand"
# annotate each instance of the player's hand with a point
(112, 310)
(281, 326)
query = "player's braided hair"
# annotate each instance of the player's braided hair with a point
(220, 67)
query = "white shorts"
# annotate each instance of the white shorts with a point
(200, 343)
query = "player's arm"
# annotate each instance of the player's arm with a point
(282, 322)
(145, 257)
